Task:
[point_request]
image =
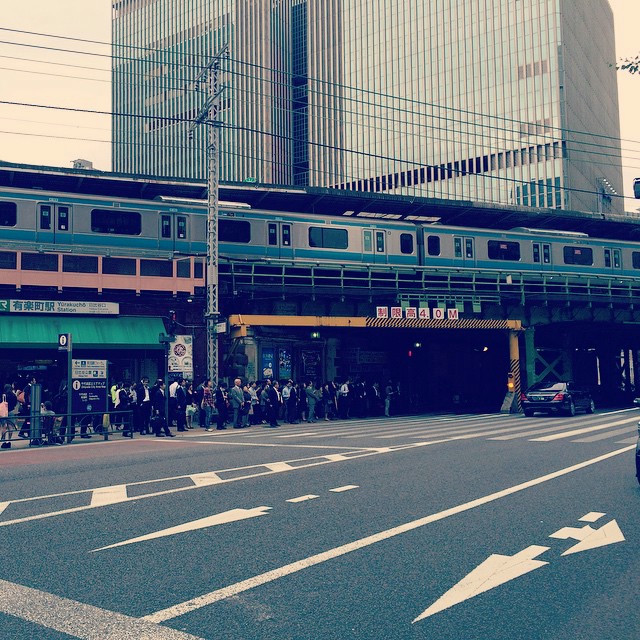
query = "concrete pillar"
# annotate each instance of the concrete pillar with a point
(531, 356)
(514, 358)
(251, 351)
(331, 350)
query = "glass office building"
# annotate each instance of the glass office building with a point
(506, 101)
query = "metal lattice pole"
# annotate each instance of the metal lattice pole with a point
(209, 115)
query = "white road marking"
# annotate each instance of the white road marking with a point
(77, 619)
(3, 506)
(277, 467)
(494, 571)
(627, 441)
(294, 567)
(578, 432)
(592, 516)
(295, 435)
(336, 457)
(590, 538)
(205, 479)
(347, 487)
(257, 444)
(234, 515)
(607, 434)
(109, 495)
(311, 496)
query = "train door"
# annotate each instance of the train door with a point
(613, 259)
(464, 249)
(182, 239)
(374, 245)
(542, 255)
(165, 232)
(279, 240)
(54, 223)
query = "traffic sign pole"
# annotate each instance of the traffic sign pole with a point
(64, 344)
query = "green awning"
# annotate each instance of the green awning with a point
(28, 331)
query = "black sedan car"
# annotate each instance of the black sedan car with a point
(557, 397)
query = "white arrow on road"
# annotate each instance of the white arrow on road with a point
(494, 571)
(220, 518)
(590, 538)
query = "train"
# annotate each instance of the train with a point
(168, 228)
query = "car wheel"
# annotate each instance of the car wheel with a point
(591, 407)
(571, 411)
(528, 413)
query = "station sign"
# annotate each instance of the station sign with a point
(88, 386)
(418, 313)
(67, 307)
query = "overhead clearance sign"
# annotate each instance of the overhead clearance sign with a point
(418, 313)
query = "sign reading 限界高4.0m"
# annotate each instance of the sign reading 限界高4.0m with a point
(60, 307)
(418, 313)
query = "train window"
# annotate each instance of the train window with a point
(457, 247)
(367, 240)
(286, 235)
(273, 234)
(617, 259)
(63, 218)
(234, 231)
(45, 216)
(546, 253)
(433, 246)
(578, 255)
(502, 250)
(8, 214)
(165, 226)
(181, 230)
(126, 223)
(184, 269)
(198, 269)
(406, 243)
(9, 260)
(162, 268)
(379, 241)
(536, 252)
(328, 238)
(39, 262)
(119, 266)
(635, 259)
(468, 248)
(607, 258)
(80, 264)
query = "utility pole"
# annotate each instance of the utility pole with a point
(208, 115)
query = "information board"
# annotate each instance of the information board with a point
(88, 386)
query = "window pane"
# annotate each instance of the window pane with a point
(368, 241)
(286, 235)
(457, 247)
(433, 245)
(234, 231)
(578, 255)
(607, 258)
(546, 253)
(63, 218)
(119, 266)
(114, 221)
(635, 259)
(379, 241)
(8, 214)
(536, 253)
(162, 268)
(184, 269)
(165, 225)
(406, 243)
(468, 247)
(617, 262)
(501, 250)
(272, 234)
(335, 238)
(45, 216)
(39, 262)
(80, 264)
(9, 260)
(181, 231)
(198, 269)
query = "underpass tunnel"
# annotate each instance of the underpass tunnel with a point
(602, 357)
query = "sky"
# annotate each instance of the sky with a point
(41, 136)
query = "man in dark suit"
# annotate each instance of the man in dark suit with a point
(143, 406)
(159, 416)
(181, 405)
(274, 403)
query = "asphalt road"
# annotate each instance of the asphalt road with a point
(358, 529)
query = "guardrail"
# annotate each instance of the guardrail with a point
(428, 282)
(42, 428)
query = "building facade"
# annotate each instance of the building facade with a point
(485, 100)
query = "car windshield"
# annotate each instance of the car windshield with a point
(547, 386)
